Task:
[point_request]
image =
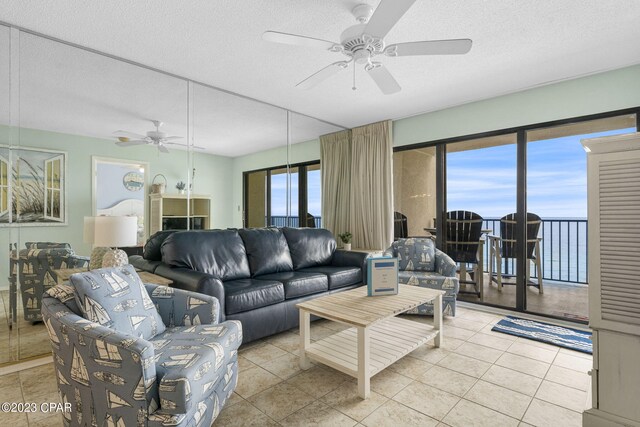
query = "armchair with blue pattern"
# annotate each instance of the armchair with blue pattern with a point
(180, 377)
(420, 263)
(33, 271)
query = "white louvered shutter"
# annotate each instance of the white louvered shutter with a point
(614, 234)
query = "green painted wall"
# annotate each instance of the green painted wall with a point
(212, 175)
(613, 90)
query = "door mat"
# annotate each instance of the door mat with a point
(561, 336)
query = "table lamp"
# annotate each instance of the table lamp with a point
(98, 252)
(113, 232)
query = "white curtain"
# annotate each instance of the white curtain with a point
(372, 186)
(335, 172)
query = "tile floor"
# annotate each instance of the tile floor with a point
(478, 378)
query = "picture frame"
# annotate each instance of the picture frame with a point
(33, 185)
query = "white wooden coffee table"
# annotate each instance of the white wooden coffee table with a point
(378, 338)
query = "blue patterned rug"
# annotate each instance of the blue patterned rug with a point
(570, 338)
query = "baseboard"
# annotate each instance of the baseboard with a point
(596, 418)
(27, 364)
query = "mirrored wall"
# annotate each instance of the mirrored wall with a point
(84, 134)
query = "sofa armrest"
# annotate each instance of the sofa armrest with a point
(143, 264)
(195, 281)
(177, 306)
(445, 266)
(342, 258)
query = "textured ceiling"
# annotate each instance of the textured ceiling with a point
(517, 45)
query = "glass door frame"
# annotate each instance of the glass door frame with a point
(521, 189)
(302, 190)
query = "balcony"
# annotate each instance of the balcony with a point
(564, 268)
(564, 255)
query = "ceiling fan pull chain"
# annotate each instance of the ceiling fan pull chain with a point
(354, 77)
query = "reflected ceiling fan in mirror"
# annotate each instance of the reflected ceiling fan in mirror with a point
(361, 43)
(153, 137)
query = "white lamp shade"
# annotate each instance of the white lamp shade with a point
(115, 231)
(89, 229)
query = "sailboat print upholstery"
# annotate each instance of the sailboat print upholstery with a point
(422, 264)
(116, 298)
(180, 377)
(34, 269)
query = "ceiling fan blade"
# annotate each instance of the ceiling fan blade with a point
(131, 142)
(296, 40)
(184, 145)
(383, 79)
(129, 134)
(322, 75)
(171, 138)
(386, 15)
(162, 148)
(432, 47)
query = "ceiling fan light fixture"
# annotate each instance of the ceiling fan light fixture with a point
(362, 12)
(366, 40)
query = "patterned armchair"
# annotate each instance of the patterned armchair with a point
(182, 376)
(421, 264)
(34, 269)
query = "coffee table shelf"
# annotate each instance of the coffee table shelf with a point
(377, 339)
(390, 340)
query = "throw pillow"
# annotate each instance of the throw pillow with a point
(416, 255)
(66, 295)
(116, 298)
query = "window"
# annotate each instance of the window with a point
(274, 198)
(54, 187)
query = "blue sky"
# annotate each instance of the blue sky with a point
(484, 180)
(279, 194)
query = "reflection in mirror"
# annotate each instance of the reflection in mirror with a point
(7, 234)
(119, 190)
(73, 103)
(306, 178)
(226, 126)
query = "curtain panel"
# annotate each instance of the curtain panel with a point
(371, 209)
(335, 174)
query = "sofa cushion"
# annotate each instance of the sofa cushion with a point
(249, 294)
(416, 254)
(267, 250)
(219, 253)
(297, 284)
(339, 277)
(116, 298)
(310, 247)
(152, 248)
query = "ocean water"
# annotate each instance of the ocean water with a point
(564, 249)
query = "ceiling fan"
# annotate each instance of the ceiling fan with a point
(361, 43)
(153, 137)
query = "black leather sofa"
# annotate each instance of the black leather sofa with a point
(258, 274)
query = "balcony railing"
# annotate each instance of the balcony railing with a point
(291, 221)
(563, 248)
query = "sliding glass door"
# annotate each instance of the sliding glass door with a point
(481, 189)
(557, 194)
